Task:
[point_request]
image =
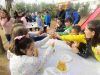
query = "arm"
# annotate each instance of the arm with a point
(62, 33)
(24, 21)
(78, 38)
(76, 17)
(34, 33)
(42, 42)
(41, 61)
(9, 54)
(3, 22)
(96, 51)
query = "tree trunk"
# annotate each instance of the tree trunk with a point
(8, 4)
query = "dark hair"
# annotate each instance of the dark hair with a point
(17, 30)
(77, 28)
(21, 45)
(69, 20)
(6, 13)
(16, 15)
(95, 26)
(47, 12)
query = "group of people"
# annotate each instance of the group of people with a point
(23, 54)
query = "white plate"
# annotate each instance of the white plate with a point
(54, 71)
(66, 58)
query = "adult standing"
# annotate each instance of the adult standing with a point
(6, 23)
(61, 14)
(72, 13)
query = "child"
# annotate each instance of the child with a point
(23, 61)
(76, 46)
(19, 30)
(47, 19)
(68, 27)
(39, 21)
(75, 31)
(60, 26)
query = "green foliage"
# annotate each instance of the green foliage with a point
(77, 6)
(84, 10)
(51, 8)
(19, 7)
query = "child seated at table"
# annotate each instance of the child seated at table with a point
(23, 61)
(76, 46)
(75, 31)
(68, 27)
(60, 26)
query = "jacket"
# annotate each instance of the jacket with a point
(81, 38)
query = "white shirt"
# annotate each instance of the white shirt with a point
(26, 65)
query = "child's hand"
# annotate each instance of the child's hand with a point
(43, 34)
(98, 52)
(53, 44)
(35, 52)
(75, 50)
(56, 35)
(75, 45)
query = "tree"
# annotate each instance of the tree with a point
(8, 4)
(49, 7)
(84, 11)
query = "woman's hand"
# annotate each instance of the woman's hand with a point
(98, 50)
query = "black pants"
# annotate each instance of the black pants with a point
(8, 37)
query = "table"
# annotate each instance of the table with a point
(31, 25)
(78, 65)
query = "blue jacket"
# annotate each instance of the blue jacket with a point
(73, 14)
(47, 19)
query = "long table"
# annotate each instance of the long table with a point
(31, 25)
(77, 66)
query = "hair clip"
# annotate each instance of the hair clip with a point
(19, 37)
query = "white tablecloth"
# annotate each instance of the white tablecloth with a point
(77, 66)
(31, 25)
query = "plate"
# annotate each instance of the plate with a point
(57, 70)
(67, 58)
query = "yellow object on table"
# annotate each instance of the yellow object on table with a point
(61, 65)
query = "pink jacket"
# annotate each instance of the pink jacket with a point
(7, 26)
